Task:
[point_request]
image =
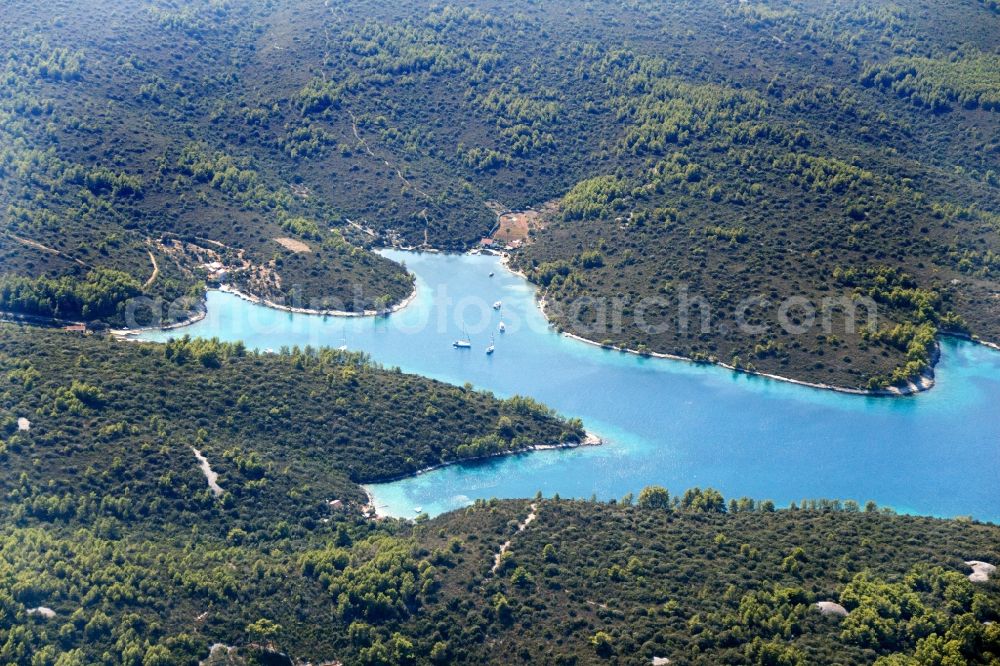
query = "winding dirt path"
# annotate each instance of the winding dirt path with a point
(357, 135)
(399, 173)
(45, 248)
(505, 546)
(156, 271)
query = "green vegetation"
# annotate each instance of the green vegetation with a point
(843, 151)
(402, 423)
(100, 294)
(718, 149)
(968, 81)
(109, 523)
(179, 196)
(700, 581)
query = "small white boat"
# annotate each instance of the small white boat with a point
(497, 305)
(491, 348)
(463, 342)
(491, 273)
(502, 327)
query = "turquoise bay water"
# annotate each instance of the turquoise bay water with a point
(666, 422)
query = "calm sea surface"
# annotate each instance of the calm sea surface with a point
(666, 422)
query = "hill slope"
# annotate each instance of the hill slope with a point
(719, 154)
(113, 548)
(731, 153)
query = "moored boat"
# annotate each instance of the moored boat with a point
(463, 342)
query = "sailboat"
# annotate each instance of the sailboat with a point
(343, 347)
(491, 348)
(463, 342)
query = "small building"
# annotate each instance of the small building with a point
(76, 328)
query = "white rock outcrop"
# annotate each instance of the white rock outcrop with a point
(831, 608)
(981, 571)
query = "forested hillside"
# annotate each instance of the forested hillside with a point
(114, 548)
(161, 499)
(124, 173)
(697, 580)
(729, 150)
(294, 429)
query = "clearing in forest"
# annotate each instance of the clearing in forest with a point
(293, 244)
(514, 226)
